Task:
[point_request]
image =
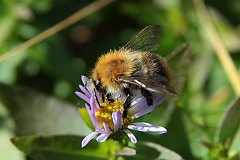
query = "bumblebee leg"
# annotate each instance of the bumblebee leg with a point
(95, 94)
(103, 98)
(148, 96)
(126, 105)
(127, 102)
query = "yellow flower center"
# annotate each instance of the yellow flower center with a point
(104, 114)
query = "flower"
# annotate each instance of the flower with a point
(107, 118)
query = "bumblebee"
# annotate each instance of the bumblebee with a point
(133, 70)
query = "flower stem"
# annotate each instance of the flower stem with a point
(220, 50)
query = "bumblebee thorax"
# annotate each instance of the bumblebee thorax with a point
(111, 66)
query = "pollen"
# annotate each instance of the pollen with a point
(127, 121)
(104, 114)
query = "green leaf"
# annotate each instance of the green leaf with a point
(179, 61)
(62, 148)
(36, 113)
(84, 113)
(127, 151)
(229, 123)
(197, 137)
(148, 149)
(176, 139)
(165, 153)
(8, 68)
(235, 147)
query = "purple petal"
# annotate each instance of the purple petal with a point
(114, 117)
(92, 116)
(130, 135)
(117, 120)
(92, 112)
(107, 130)
(97, 96)
(158, 99)
(138, 100)
(143, 112)
(88, 108)
(103, 137)
(85, 91)
(84, 79)
(92, 101)
(88, 138)
(138, 105)
(84, 97)
(147, 127)
(146, 111)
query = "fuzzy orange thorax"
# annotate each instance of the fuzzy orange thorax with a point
(111, 66)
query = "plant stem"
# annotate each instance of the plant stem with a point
(220, 50)
(91, 8)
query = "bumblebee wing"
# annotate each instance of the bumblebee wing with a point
(146, 40)
(156, 84)
(179, 62)
(181, 52)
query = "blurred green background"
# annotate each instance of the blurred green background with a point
(37, 85)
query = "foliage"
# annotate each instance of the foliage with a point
(38, 108)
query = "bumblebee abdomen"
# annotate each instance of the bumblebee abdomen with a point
(111, 66)
(153, 64)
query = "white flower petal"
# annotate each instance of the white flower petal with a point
(147, 127)
(147, 110)
(88, 138)
(140, 107)
(103, 137)
(130, 135)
